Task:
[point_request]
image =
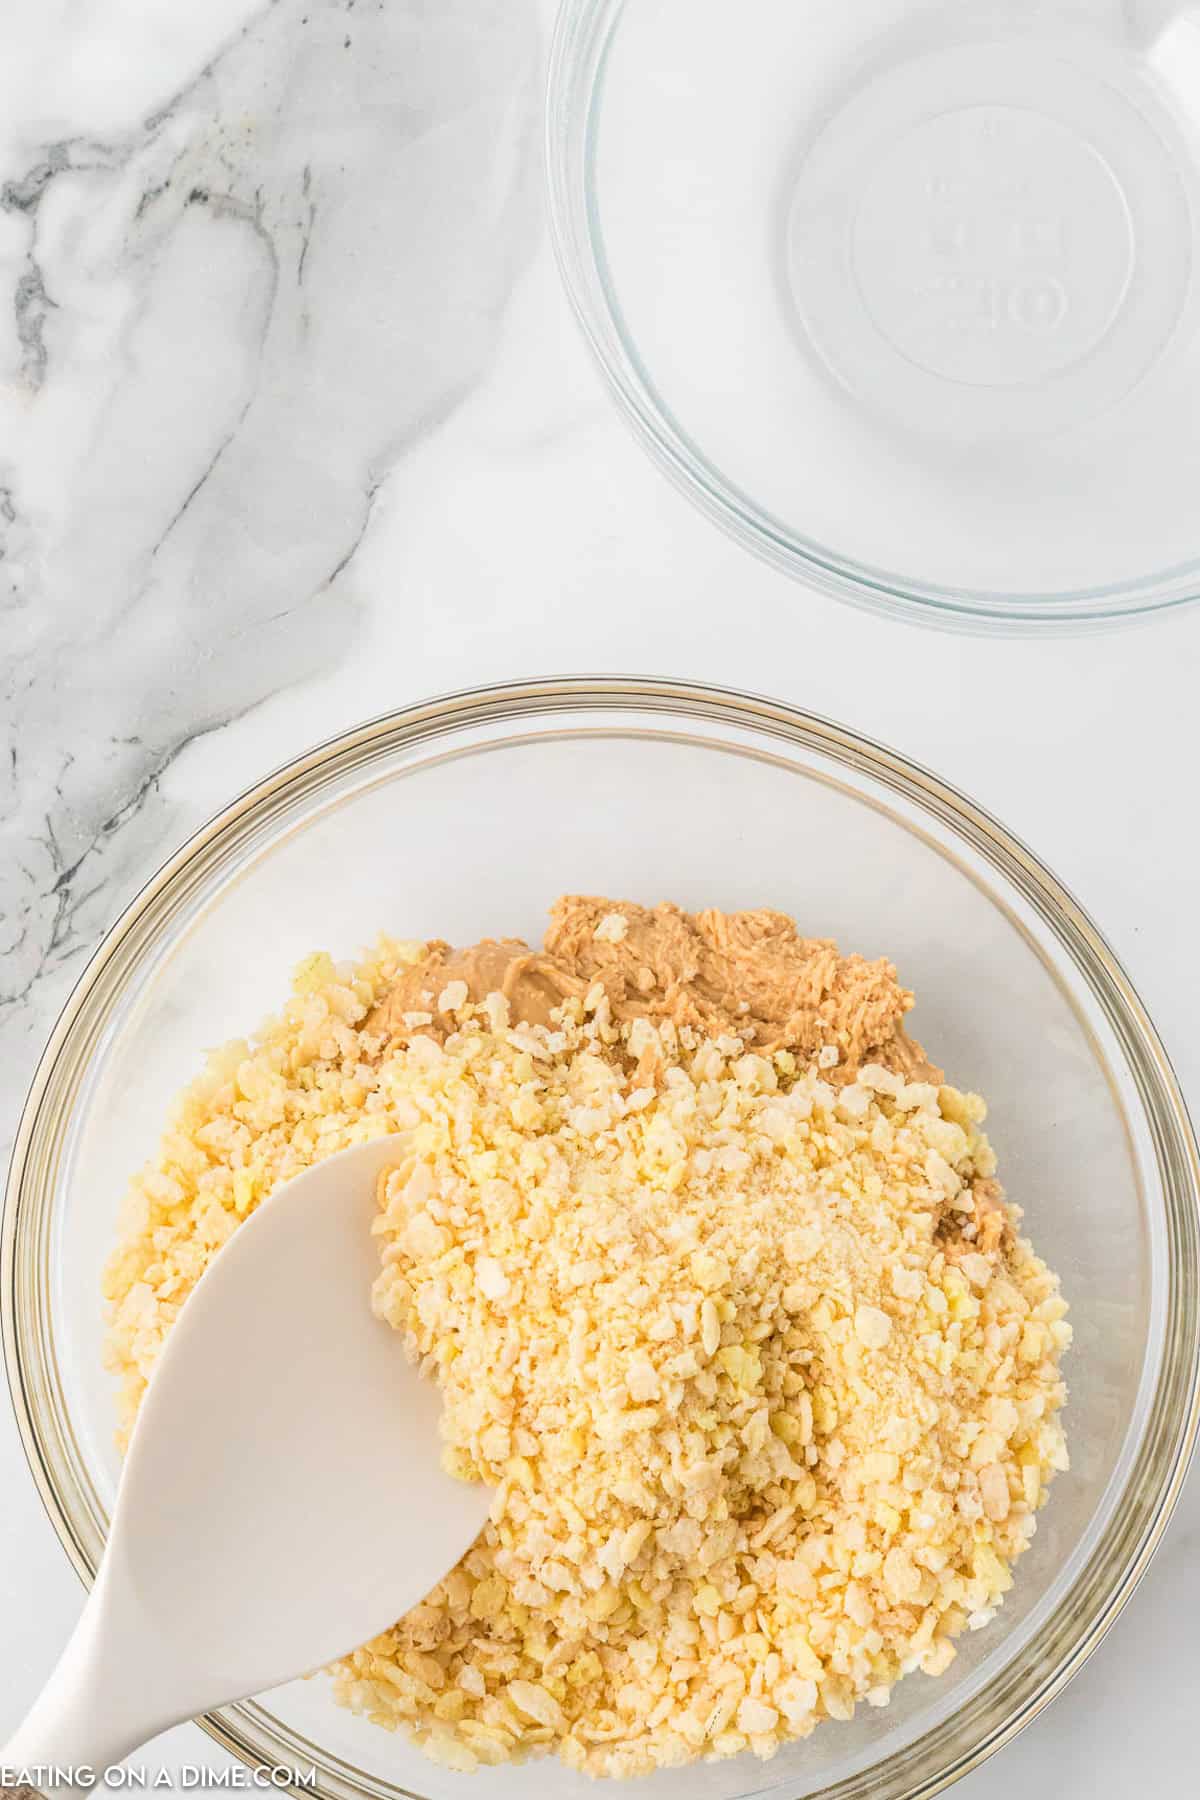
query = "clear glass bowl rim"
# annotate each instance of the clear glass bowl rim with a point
(582, 32)
(1061, 1647)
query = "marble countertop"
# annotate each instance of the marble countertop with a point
(295, 427)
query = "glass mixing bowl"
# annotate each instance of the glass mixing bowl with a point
(903, 294)
(467, 816)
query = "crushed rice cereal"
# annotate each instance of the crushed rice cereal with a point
(765, 1380)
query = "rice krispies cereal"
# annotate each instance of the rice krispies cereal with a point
(763, 1375)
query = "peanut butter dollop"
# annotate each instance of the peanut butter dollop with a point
(747, 974)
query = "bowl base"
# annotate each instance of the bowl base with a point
(993, 237)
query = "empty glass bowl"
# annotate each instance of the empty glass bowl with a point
(467, 816)
(904, 295)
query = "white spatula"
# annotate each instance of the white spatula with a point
(282, 1499)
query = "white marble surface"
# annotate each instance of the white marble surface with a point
(295, 427)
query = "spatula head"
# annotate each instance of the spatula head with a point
(283, 1498)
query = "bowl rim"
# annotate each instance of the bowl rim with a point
(583, 32)
(29, 1187)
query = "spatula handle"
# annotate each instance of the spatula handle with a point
(91, 1713)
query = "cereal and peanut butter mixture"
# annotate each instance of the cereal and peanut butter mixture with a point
(723, 1297)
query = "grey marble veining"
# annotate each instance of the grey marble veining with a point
(229, 320)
